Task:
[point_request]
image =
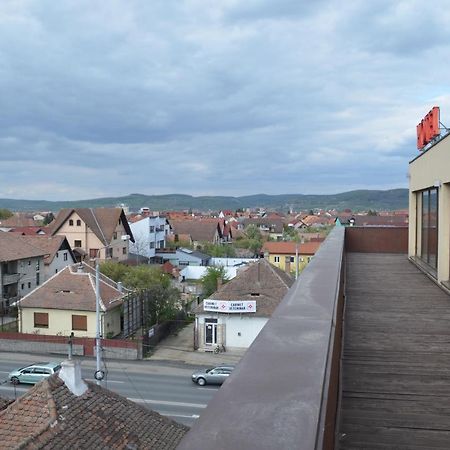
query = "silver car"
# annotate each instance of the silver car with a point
(216, 375)
(34, 373)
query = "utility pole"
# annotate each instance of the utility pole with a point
(98, 372)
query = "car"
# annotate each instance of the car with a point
(34, 373)
(215, 375)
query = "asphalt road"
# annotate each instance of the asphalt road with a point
(163, 388)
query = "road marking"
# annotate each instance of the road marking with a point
(105, 381)
(4, 371)
(167, 403)
(191, 416)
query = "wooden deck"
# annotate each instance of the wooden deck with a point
(396, 358)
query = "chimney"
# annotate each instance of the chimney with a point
(70, 373)
(120, 287)
(80, 268)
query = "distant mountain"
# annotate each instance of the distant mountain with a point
(355, 200)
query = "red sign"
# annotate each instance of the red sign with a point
(428, 128)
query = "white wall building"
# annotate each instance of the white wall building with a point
(149, 235)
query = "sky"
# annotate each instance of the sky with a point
(215, 97)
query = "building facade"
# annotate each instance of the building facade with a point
(429, 211)
(149, 235)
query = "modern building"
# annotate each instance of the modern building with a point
(429, 210)
(150, 235)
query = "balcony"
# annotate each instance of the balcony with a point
(10, 278)
(355, 357)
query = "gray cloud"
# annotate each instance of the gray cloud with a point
(227, 97)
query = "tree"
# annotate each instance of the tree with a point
(161, 303)
(144, 277)
(218, 250)
(5, 214)
(48, 218)
(253, 239)
(114, 270)
(210, 281)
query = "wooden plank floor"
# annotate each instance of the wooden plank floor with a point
(396, 358)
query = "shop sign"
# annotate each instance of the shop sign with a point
(428, 128)
(231, 306)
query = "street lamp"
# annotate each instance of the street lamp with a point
(99, 374)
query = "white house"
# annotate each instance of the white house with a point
(149, 235)
(235, 314)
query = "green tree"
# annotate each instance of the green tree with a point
(218, 250)
(114, 270)
(161, 303)
(210, 281)
(48, 218)
(5, 214)
(252, 239)
(144, 277)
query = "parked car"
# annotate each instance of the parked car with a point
(33, 373)
(216, 375)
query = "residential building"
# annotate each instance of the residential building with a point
(65, 411)
(149, 235)
(269, 226)
(102, 233)
(66, 303)
(58, 253)
(283, 254)
(215, 231)
(21, 268)
(235, 314)
(182, 257)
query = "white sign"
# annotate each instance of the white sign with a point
(230, 306)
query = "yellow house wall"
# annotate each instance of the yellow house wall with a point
(282, 261)
(432, 169)
(60, 322)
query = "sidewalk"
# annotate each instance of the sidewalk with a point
(179, 348)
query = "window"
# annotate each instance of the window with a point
(427, 222)
(120, 221)
(161, 244)
(152, 245)
(37, 279)
(152, 229)
(276, 259)
(109, 252)
(93, 253)
(40, 320)
(29, 263)
(115, 235)
(79, 322)
(22, 286)
(37, 265)
(65, 256)
(124, 250)
(70, 223)
(56, 270)
(292, 258)
(77, 243)
(29, 285)
(78, 223)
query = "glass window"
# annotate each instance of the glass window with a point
(78, 223)
(79, 322)
(428, 213)
(77, 243)
(71, 223)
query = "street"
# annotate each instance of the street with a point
(166, 389)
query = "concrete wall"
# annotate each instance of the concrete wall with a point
(115, 349)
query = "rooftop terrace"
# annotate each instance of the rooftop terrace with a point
(355, 357)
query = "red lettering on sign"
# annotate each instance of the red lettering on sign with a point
(428, 128)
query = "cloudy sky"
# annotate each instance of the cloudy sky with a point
(215, 97)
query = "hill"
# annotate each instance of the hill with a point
(355, 200)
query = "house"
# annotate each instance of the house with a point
(269, 226)
(216, 231)
(64, 411)
(21, 268)
(365, 220)
(149, 235)
(235, 314)
(283, 254)
(66, 303)
(58, 253)
(182, 257)
(94, 232)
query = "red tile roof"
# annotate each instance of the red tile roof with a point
(288, 248)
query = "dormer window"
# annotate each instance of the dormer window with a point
(255, 294)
